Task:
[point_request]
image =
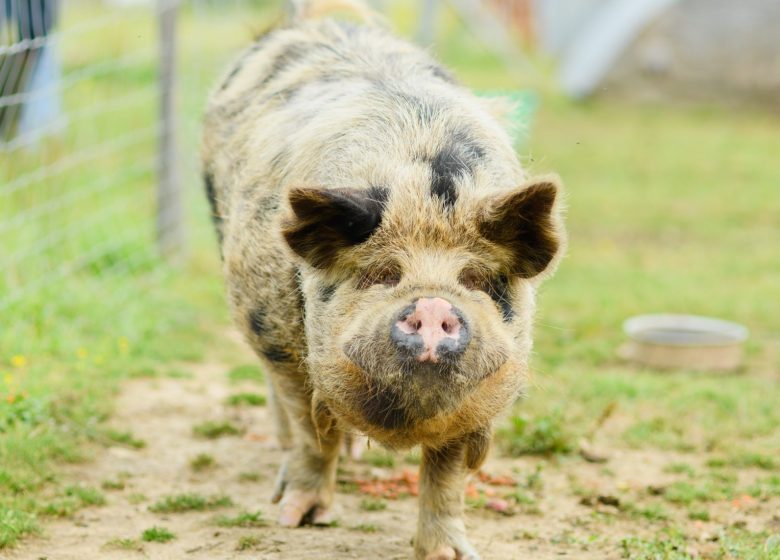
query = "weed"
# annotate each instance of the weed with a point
(247, 542)
(541, 435)
(85, 495)
(125, 438)
(178, 374)
(113, 484)
(246, 373)
(202, 462)
(244, 520)
(670, 545)
(14, 524)
(216, 429)
(250, 476)
(699, 515)
(157, 534)
(137, 498)
(371, 504)
(653, 512)
(379, 458)
(765, 488)
(680, 468)
(707, 490)
(246, 399)
(181, 503)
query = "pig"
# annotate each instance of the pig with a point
(381, 248)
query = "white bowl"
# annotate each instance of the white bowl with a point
(684, 342)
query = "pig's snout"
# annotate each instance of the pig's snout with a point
(431, 329)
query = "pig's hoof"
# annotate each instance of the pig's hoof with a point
(303, 507)
(449, 553)
(443, 553)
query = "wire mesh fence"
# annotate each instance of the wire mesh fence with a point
(87, 163)
(91, 101)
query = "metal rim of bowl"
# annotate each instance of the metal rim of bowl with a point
(732, 333)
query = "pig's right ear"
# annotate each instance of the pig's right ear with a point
(327, 221)
(526, 224)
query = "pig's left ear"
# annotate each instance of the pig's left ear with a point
(327, 221)
(527, 224)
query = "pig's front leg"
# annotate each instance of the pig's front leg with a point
(306, 482)
(441, 534)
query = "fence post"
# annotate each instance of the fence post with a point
(170, 223)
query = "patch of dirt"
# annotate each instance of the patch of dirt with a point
(574, 514)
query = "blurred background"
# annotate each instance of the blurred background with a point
(661, 116)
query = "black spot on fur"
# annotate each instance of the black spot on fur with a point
(280, 159)
(425, 110)
(282, 96)
(382, 408)
(277, 354)
(326, 292)
(443, 74)
(329, 220)
(445, 168)
(472, 150)
(266, 206)
(239, 65)
(458, 158)
(257, 321)
(498, 290)
(289, 55)
(233, 73)
(211, 194)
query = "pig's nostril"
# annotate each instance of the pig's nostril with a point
(446, 327)
(418, 325)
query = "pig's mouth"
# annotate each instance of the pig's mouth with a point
(398, 392)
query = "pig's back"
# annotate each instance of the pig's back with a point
(334, 104)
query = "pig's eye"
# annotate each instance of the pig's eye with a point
(384, 277)
(474, 280)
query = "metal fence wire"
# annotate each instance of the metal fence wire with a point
(88, 182)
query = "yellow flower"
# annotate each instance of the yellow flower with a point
(8, 379)
(18, 361)
(82, 353)
(98, 360)
(123, 344)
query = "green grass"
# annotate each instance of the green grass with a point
(246, 399)
(248, 542)
(250, 476)
(246, 372)
(72, 499)
(157, 534)
(372, 504)
(113, 484)
(244, 520)
(541, 435)
(125, 438)
(181, 503)
(378, 458)
(203, 462)
(216, 429)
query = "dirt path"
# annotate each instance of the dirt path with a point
(163, 412)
